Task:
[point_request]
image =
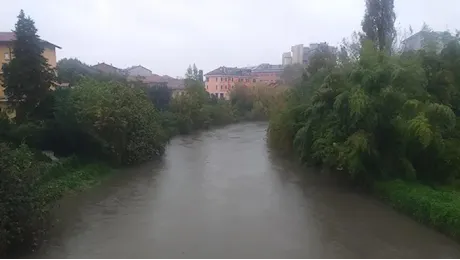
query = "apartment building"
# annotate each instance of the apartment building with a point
(286, 59)
(222, 80)
(267, 73)
(301, 54)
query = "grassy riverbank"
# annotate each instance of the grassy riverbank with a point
(439, 208)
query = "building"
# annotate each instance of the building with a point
(266, 73)
(286, 58)
(220, 81)
(297, 54)
(301, 54)
(176, 85)
(109, 69)
(138, 70)
(6, 54)
(427, 39)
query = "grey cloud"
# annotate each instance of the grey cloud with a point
(166, 36)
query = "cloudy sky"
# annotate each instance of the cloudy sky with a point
(167, 35)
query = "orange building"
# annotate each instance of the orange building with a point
(222, 80)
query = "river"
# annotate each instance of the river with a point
(223, 194)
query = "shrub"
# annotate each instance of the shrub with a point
(438, 208)
(21, 208)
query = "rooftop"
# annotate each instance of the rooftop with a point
(10, 36)
(135, 67)
(265, 67)
(229, 71)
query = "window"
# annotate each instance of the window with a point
(221, 87)
(225, 86)
(216, 87)
(254, 80)
(232, 79)
(7, 56)
(217, 78)
(221, 95)
(220, 78)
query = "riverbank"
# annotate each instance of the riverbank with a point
(31, 183)
(437, 208)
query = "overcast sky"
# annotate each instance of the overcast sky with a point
(165, 36)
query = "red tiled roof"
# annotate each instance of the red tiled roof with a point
(10, 36)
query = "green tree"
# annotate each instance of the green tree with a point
(378, 23)
(193, 75)
(292, 74)
(28, 77)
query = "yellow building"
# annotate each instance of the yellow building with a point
(6, 51)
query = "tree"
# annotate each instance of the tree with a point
(193, 75)
(28, 77)
(323, 58)
(292, 74)
(378, 23)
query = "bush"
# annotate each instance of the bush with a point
(438, 208)
(119, 120)
(21, 208)
(28, 188)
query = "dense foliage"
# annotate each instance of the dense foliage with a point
(381, 116)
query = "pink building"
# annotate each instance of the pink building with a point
(222, 80)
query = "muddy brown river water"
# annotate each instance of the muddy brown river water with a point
(223, 194)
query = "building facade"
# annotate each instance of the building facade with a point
(138, 71)
(266, 73)
(108, 69)
(301, 54)
(222, 80)
(297, 54)
(286, 59)
(427, 39)
(6, 54)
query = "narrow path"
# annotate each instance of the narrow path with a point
(222, 193)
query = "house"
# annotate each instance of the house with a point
(138, 71)
(222, 80)
(108, 69)
(427, 39)
(267, 73)
(6, 54)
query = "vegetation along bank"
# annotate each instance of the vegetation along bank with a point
(385, 115)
